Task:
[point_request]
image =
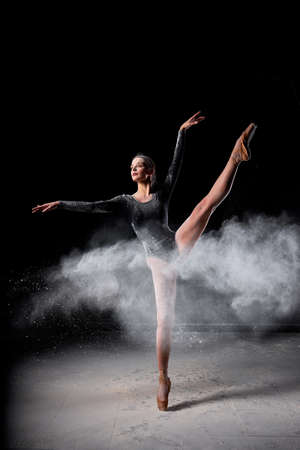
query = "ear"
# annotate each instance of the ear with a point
(150, 175)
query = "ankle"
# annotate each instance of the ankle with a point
(163, 373)
(235, 159)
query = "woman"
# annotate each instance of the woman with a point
(147, 210)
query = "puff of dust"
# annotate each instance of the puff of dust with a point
(248, 271)
(256, 262)
(113, 277)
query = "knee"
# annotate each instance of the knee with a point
(206, 204)
(165, 321)
(205, 207)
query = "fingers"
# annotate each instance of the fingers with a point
(195, 115)
(49, 207)
(41, 208)
(36, 208)
(199, 119)
(191, 122)
(196, 118)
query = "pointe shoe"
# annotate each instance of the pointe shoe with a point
(241, 151)
(163, 404)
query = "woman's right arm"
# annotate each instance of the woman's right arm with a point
(102, 206)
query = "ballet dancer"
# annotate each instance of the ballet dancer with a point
(147, 212)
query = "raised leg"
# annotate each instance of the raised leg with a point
(195, 224)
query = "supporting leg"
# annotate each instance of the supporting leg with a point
(164, 280)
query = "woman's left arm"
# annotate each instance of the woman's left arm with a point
(176, 163)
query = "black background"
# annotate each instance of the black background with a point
(81, 132)
(83, 102)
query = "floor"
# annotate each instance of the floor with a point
(229, 391)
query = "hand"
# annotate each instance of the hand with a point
(45, 207)
(194, 120)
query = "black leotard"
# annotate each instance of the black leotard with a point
(149, 220)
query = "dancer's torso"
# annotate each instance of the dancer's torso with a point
(149, 220)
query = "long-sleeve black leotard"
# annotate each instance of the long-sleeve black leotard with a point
(149, 220)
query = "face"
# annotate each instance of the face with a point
(138, 170)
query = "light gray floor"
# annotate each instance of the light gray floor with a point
(229, 391)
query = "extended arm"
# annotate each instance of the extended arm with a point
(176, 163)
(102, 206)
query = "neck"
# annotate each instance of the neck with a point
(143, 189)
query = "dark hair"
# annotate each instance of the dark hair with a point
(149, 164)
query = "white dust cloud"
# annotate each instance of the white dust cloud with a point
(247, 272)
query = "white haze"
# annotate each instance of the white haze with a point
(247, 272)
